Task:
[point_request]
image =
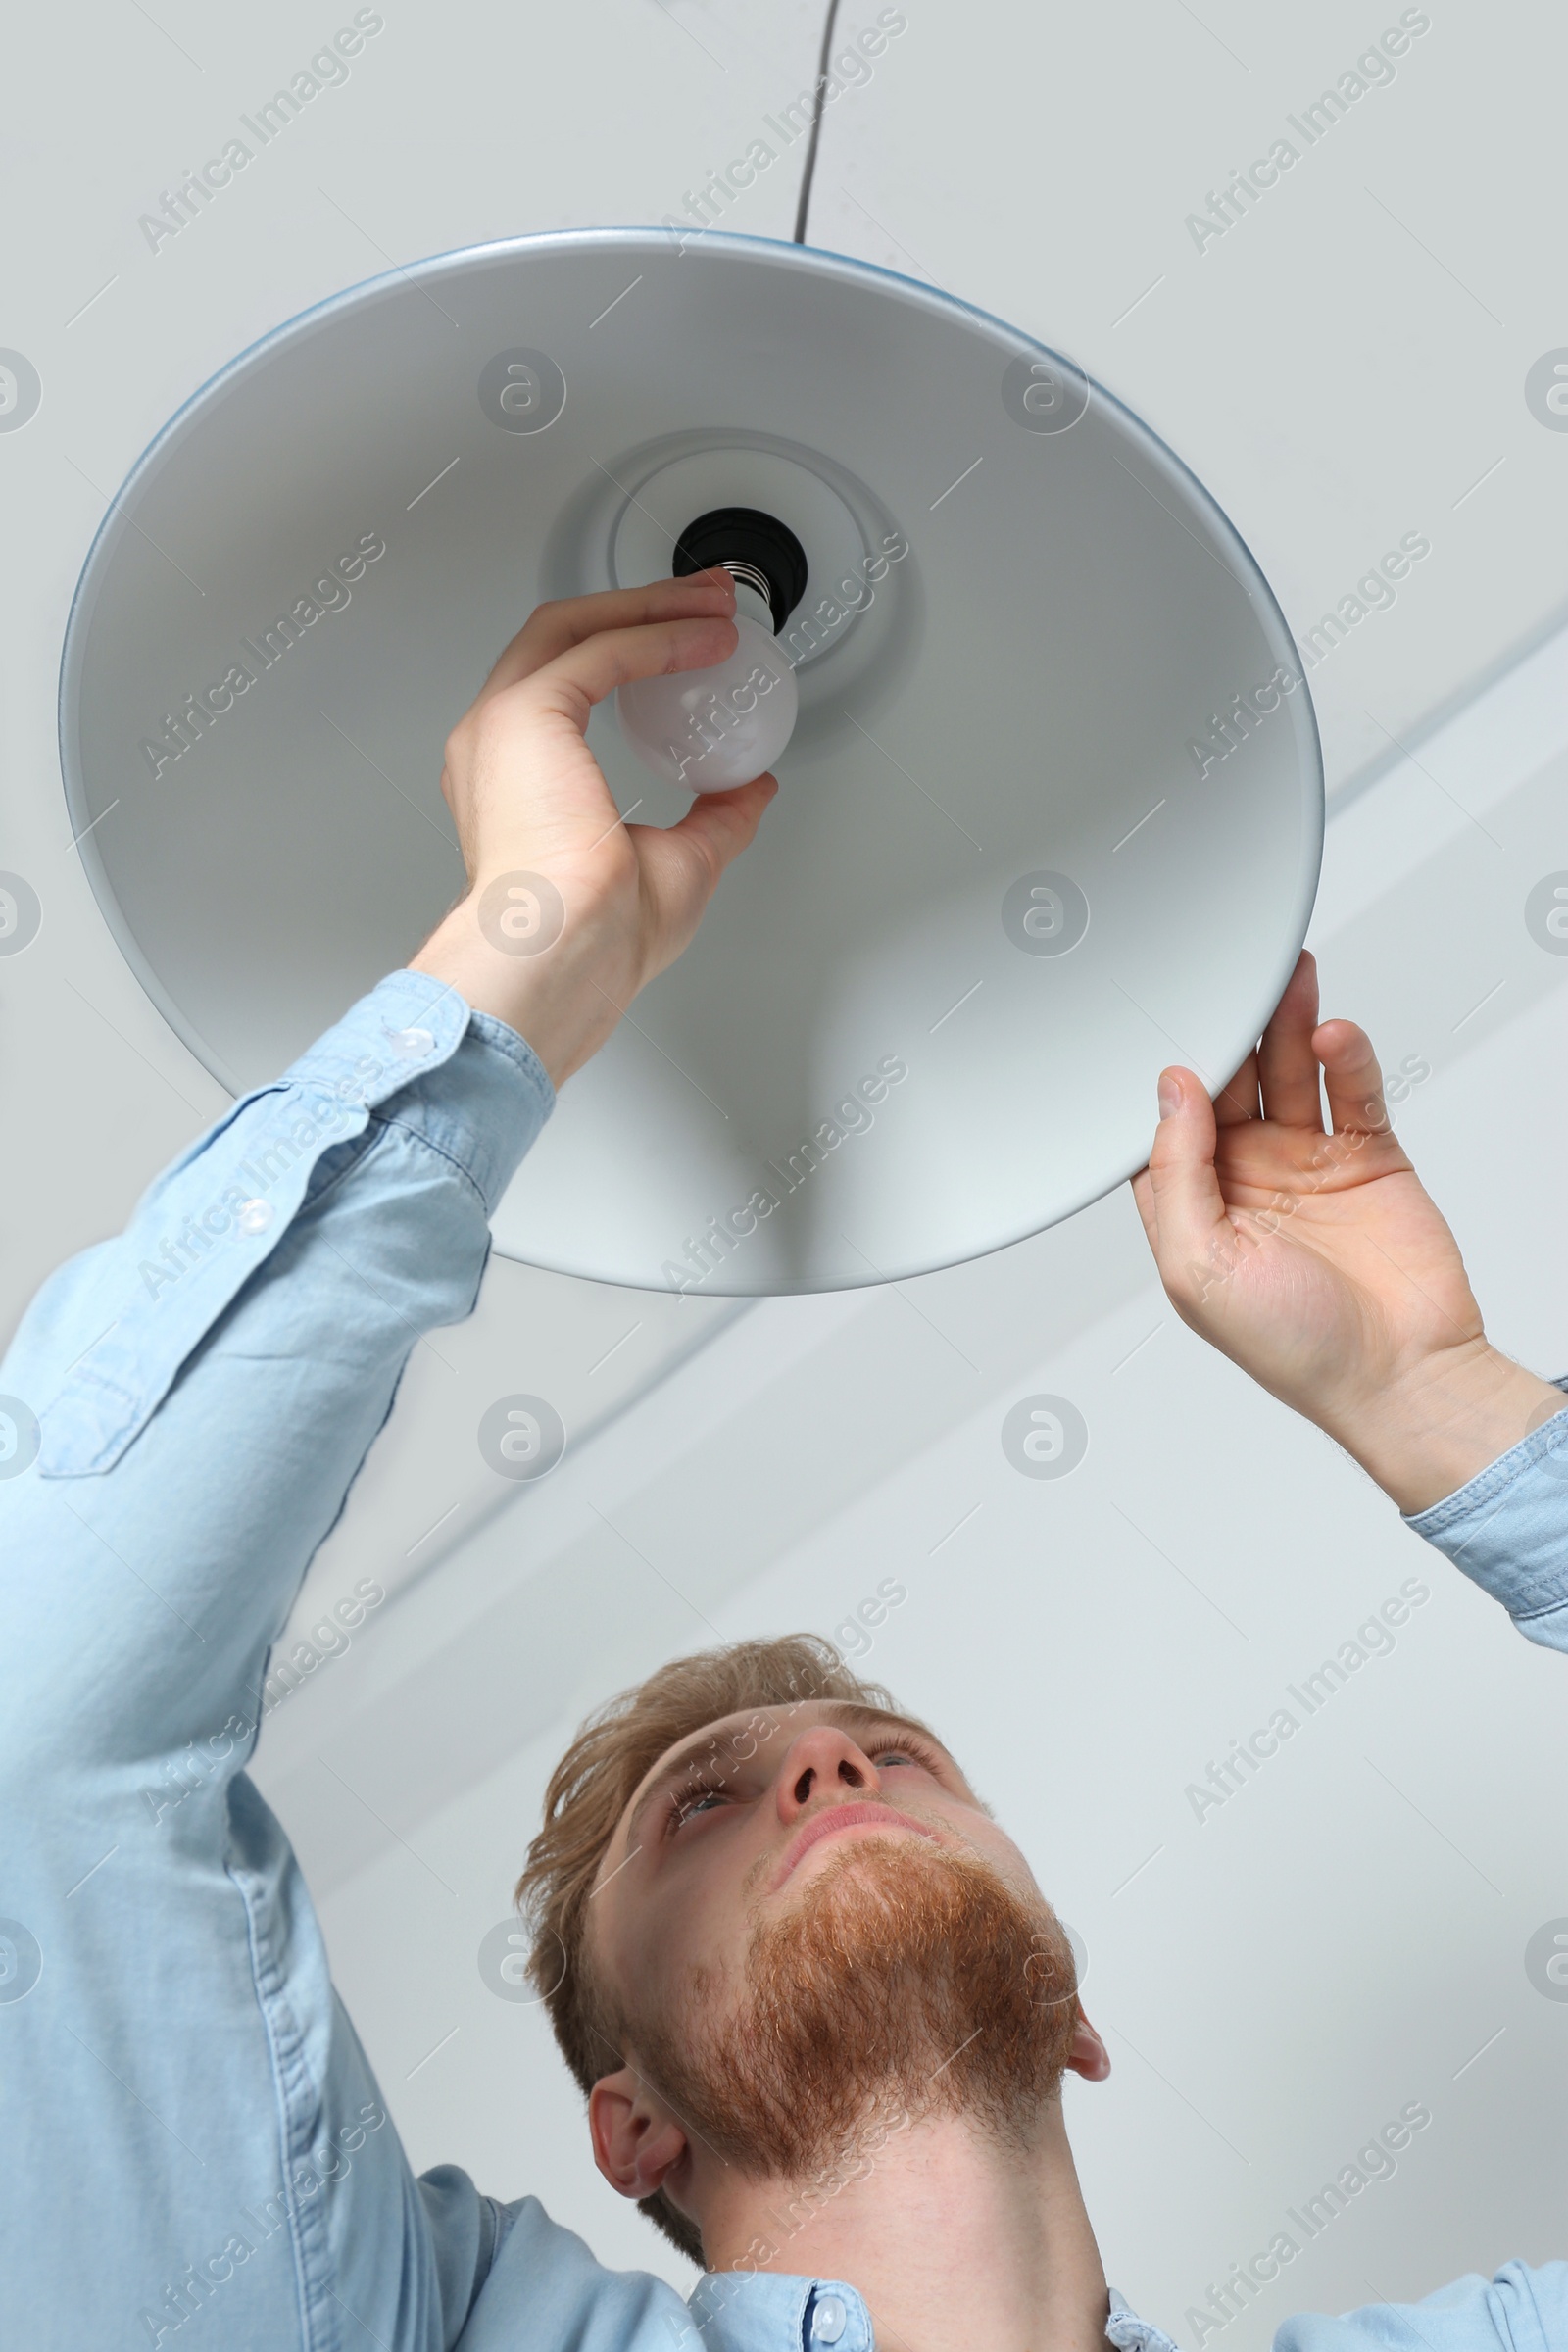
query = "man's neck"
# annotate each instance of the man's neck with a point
(953, 2242)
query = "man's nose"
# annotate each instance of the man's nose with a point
(823, 1764)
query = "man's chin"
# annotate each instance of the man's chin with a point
(886, 1879)
(903, 1977)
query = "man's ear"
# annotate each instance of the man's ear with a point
(1089, 2055)
(637, 2141)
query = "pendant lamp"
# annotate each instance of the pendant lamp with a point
(1050, 813)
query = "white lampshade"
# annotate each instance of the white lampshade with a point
(1049, 818)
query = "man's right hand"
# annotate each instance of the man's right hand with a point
(529, 800)
(1314, 1258)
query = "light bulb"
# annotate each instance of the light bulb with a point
(711, 729)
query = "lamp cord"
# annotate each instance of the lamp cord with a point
(809, 173)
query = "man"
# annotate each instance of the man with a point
(819, 2002)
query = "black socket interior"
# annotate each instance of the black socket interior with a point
(757, 542)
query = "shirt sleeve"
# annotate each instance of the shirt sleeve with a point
(183, 1413)
(189, 1402)
(1508, 1529)
(1520, 2310)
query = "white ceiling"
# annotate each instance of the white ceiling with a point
(1343, 366)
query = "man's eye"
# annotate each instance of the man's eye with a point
(699, 1802)
(894, 1755)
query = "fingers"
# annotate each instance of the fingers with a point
(681, 864)
(594, 667)
(1288, 1067)
(553, 629)
(1238, 1099)
(1279, 1079)
(1178, 1194)
(1351, 1078)
(720, 825)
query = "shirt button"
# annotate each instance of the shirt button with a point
(413, 1044)
(255, 1216)
(828, 2320)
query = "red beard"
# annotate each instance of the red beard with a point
(907, 1982)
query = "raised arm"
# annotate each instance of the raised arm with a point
(1304, 1247)
(223, 1366)
(189, 1405)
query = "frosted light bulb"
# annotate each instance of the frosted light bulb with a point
(711, 729)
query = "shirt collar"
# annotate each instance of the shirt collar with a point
(1129, 2333)
(768, 2311)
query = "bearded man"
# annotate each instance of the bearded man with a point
(819, 2005)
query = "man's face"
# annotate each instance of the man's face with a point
(730, 1827)
(777, 1857)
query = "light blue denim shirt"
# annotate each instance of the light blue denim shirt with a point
(191, 2138)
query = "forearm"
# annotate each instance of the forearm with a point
(554, 996)
(207, 1385)
(1506, 1527)
(1442, 1423)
